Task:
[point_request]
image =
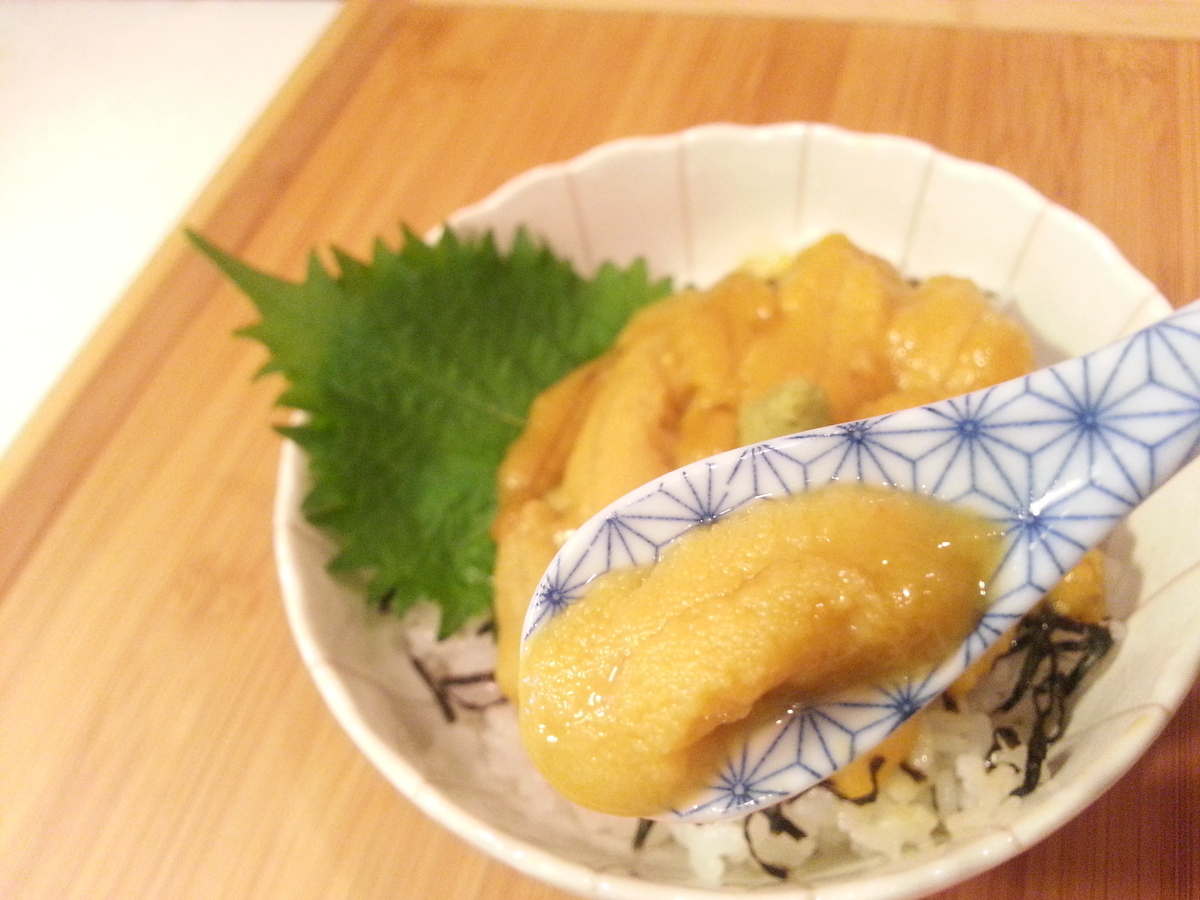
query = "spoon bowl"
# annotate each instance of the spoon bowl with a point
(1055, 459)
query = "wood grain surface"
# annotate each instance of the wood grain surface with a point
(158, 734)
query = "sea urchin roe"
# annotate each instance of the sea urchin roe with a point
(835, 334)
(630, 697)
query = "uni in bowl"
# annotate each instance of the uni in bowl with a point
(694, 206)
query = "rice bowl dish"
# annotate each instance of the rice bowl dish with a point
(695, 205)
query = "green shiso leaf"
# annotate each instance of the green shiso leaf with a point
(416, 371)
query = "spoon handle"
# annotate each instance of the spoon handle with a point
(1057, 457)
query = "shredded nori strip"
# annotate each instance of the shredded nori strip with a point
(445, 688)
(446, 695)
(643, 831)
(385, 599)
(913, 772)
(874, 766)
(1059, 652)
(440, 696)
(777, 823)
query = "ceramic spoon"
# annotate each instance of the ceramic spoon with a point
(1056, 458)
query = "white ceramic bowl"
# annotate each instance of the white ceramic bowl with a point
(694, 205)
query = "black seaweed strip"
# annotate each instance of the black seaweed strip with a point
(474, 678)
(385, 599)
(453, 681)
(913, 772)
(644, 828)
(775, 871)
(779, 823)
(1049, 682)
(443, 702)
(875, 765)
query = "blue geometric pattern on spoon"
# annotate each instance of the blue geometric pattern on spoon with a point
(1056, 458)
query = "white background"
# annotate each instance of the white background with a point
(114, 114)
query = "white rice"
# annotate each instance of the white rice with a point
(957, 782)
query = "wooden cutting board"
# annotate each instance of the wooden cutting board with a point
(158, 734)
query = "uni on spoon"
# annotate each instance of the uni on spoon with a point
(1055, 459)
